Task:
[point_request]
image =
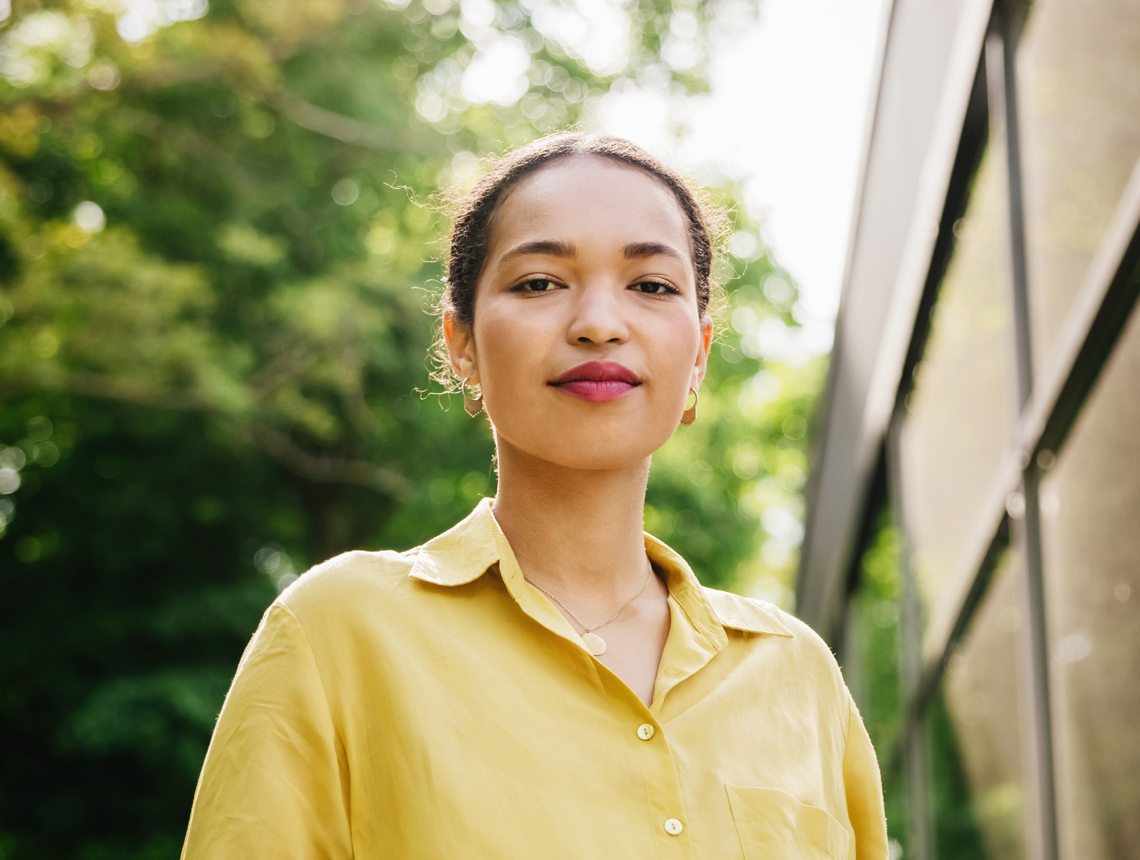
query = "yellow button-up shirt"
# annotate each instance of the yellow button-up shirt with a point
(433, 704)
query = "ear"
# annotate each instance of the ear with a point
(460, 348)
(702, 362)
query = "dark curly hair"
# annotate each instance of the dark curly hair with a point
(473, 216)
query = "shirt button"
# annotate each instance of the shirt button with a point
(645, 732)
(673, 826)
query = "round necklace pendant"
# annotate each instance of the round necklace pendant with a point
(595, 644)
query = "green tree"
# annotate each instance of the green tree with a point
(217, 246)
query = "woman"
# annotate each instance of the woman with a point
(544, 680)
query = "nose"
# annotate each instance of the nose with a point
(597, 317)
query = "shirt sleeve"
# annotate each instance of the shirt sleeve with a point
(864, 790)
(274, 784)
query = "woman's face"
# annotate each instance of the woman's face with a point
(586, 335)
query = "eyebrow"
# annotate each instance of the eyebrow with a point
(553, 248)
(638, 250)
(546, 248)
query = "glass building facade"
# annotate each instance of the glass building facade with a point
(972, 548)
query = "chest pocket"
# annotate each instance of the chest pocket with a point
(773, 825)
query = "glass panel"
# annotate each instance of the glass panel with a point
(896, 802)
(871, 667)
(871, 649)
(1091, 507)
(960, 414)
(979, 790)
(1078, 77)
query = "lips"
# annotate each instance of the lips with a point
(598, 381)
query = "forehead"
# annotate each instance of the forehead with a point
(586, 199)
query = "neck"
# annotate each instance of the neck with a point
(575, 532)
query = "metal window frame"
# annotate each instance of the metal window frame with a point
(1046, 408)
(854, 461)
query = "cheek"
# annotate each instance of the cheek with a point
(506, 348)
(676, 347)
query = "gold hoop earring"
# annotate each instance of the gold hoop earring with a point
(690, 414)
(472, 406)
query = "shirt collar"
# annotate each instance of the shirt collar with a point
(461, 554)
(466, 551)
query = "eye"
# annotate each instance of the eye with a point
(654, 288)
(536, 285)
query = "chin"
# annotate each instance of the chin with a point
(592, 449)
(602, 461)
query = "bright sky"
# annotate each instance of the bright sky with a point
(786, 114)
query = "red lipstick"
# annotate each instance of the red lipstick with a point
(598, 381)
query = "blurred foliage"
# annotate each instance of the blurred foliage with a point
(957, 832)
(871, 664)
(215, 261)
(873, 637)
(743, 463)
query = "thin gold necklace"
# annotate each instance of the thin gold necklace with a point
(594, 643)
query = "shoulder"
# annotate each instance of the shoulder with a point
(349, 579)
(802, 644)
